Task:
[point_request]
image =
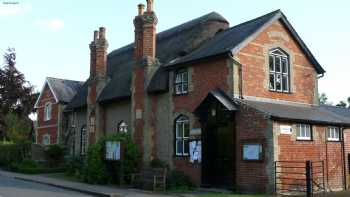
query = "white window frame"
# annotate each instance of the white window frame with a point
(46, 140)
(181, 82)
(83, 140)
(48, 111)
(181, 122)
(332, 133)
(279, 55)
(304, 131)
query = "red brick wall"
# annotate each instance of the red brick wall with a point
(319, 149)
(254, 58)
(347, 151)
(50, 126)
(206, 76)
(251, 127)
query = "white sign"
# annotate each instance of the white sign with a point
(113, 150)
(252, 151)
(285, 129)
(195, 151)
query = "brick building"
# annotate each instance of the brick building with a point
(242, 96)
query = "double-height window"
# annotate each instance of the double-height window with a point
(279, 71)
(182, 135)
(83, 140)
(181, 82)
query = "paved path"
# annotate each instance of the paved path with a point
(94, 190)
(10, 187)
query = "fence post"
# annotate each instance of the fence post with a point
(309, 192)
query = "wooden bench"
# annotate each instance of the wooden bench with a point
(154, 178)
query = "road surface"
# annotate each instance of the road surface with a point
(10, 187)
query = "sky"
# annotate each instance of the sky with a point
(52, 37)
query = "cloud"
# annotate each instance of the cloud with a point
(14, 8)
(53, 24)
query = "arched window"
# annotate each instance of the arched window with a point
(83, 140)
(46, 139)
(279, 70)
(122, 127)
(182, 135)
(47, 111)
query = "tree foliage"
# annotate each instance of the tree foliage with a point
(16, 94)
(323, 99)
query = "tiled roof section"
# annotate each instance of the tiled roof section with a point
(302, 113)
(231, 38)
(342, 111)
(171, 44)
(79, 100)
(64, 89)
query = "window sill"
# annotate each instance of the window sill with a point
(304, 139)
(182, 94)
(333, 140)
(282, 92)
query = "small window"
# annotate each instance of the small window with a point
(122, 127)
(46, 140)
(83, 140)
(181, 82)
(182, 132)
(303, 132)
(279, 71)
(252, 152)
(47, 111)
(333, 134)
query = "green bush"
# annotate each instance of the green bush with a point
(156, 163)
(74, 167)
(54, 155)
(95, 171)
(178, 180)
(13, 153)
(31, 167)
(99, 171)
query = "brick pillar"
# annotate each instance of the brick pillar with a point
(96, 82)
(146, 64)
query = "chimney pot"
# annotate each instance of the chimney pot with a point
(102, 33)
(95, 36)
(149, 5)
(141, 8)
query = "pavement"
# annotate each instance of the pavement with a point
(92, 190)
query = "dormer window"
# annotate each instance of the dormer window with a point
(279, 71)
(122, 127)
(47, 111)
(181, 82)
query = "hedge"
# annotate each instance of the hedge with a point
(13, 153)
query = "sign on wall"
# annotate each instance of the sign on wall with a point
(196, 151)
(252, 152)
(113, 150)
(286, 129)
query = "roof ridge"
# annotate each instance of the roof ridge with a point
(55, 78)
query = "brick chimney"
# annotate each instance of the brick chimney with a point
(145, 32)
(143, 125)
(98, 54)
(97, 81)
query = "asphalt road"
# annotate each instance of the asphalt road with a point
(10, 187)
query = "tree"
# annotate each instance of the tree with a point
(16, 94)
(348, 101)
(323, 99)
(18, 129)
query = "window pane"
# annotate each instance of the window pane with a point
(271, 64)
(285, 83)
(184, 88)
(336, 134)
(272, 81)
(284, 66)
(178, 89)
(178, 130)
(179, 147)
(178, 78)
(184, 77)
(186, 147)
(278, 82)
(278, 64)
(186, 129)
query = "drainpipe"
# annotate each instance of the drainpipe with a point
(344, 157)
